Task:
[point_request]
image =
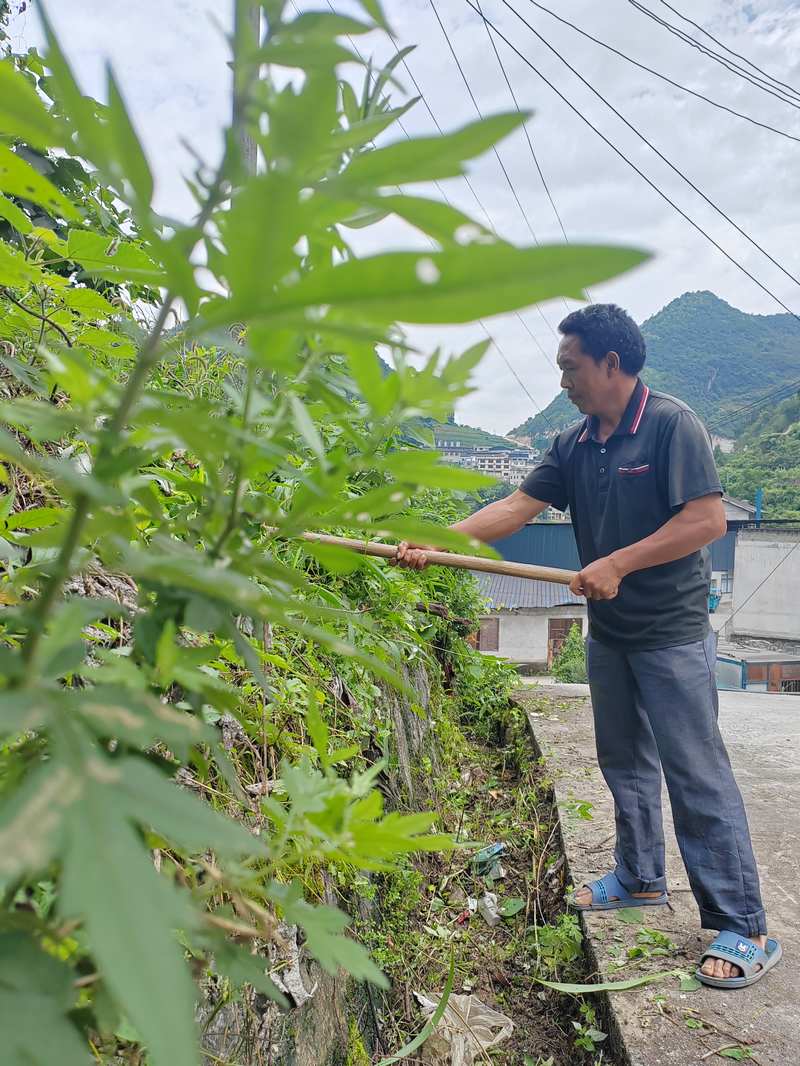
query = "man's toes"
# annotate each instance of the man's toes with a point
(708, 968)
(727, 969)
(719, 968)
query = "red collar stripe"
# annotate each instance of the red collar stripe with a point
(638, 418)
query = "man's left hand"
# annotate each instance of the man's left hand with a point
(599, 580)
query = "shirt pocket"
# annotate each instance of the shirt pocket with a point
(637, 500)
(638, 470)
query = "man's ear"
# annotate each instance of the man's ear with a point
(613, 361)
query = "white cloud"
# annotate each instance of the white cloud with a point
(171, 60)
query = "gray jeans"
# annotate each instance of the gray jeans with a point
(655, 709)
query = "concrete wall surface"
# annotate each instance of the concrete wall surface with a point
(523, 633)
(766, 603)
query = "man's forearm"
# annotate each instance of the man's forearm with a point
(501, 518)
(682, 535)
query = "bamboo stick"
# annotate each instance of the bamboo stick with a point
(455, 562)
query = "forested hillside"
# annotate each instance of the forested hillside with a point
(768, 456)
(709, 354)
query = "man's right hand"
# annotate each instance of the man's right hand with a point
(412, 556)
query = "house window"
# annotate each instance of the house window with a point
(726, 582)
(489, 636)
(557, 632)
(790, 686)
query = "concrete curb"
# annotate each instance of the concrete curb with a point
(648, 1026)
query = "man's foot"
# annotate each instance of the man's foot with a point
(583, 896)
(719, 968)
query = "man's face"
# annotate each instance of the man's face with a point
(585, 381)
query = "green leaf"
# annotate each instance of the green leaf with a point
(236, 963)
(324, 928)
(739, 1053)
(36, 994)
(139, 718)
(129, 913)
(18, 178)
(430, 1025)
(427, 158)
(129, 152)
(690, 984)
(15, 215)
(23, 114)
(182, 818)
(606, 986)
(318, 731)
(511, 906)
(374, 9)
(35, 518)
(15, 270)
(112, 260)
(457, 285)
(446, 224)
(32, 820)
(630, 915)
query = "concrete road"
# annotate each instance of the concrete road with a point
(762, 732)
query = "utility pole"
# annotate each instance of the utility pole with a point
(246, 27)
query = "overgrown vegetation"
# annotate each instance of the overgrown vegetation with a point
(161, 621)
(768, 457)
(570, 663)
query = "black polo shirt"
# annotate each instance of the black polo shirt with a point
(658, 458)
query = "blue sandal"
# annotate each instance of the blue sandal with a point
(606, 887)
(752, 960)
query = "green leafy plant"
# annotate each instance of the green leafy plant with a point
(570, 663)
(180, 400)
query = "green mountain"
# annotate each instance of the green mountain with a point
(708, 354)
(468, 436)
(767, 457)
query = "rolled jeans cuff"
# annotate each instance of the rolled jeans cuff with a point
(754, 924)
(636, 884)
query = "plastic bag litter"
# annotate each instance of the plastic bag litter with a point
(466, 1029)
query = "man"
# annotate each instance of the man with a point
(639, 478)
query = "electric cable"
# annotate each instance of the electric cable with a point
(645, 140)
(729, 65)
(638, 170)
(730, 51)
(663, 77)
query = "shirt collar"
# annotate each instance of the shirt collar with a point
(631, 420)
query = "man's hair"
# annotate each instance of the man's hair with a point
(604, 328)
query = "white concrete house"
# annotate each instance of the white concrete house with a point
(527, 621)
(766, 592)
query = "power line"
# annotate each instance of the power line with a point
(527, 137)
(524, 127)
(730, 51)
(520, 382)
(779, 394)
(480, 204)
(652, 147)
(433, 245)
(733, 67)
(480, 114)
(663, 77)
(634, 167)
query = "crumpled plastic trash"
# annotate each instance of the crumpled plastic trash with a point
(487, 908)
(466, 1030)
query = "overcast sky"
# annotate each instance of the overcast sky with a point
(171, 60)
